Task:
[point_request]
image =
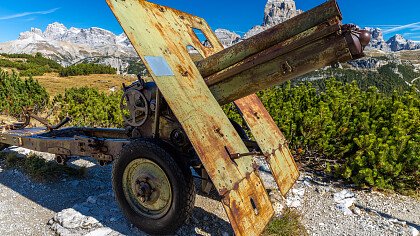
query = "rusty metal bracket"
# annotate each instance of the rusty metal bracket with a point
(91, 145)
(239, 155)
(59, 151)
(103, 157)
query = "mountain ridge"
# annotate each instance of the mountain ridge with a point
(74, 45)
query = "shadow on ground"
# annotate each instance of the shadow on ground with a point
(92, 196)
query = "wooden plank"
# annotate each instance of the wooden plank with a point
(271, 141)
(160, 36)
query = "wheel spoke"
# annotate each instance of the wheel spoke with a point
(133, 117)
(142, 109)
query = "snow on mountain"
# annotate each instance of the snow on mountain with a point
(377, 41)
(394, 44)
(69, 46)
(398, 43)
(72, 45)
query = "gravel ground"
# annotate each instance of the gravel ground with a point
(87, 207)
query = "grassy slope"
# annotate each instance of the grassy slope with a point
(54, 84)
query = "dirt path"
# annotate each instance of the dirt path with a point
(87, 207)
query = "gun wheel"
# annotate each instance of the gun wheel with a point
(3, 146)
(155, 192)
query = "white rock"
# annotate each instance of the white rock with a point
(357, 211)
(295, 197)
(100, 232)
(343, 195)
(414, 231)
(226, 37)
(344, 209)
(398, 43)
(275, 12)
(300, 192)
(345, 199)
(294, 203)
(70, 46)
(395, 221)
(71, 219)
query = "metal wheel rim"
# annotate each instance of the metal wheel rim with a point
(142, 171)
(134, 102)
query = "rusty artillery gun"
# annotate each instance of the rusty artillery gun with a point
(174, 122)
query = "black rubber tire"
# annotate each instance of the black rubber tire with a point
(3, 146)
(179, 176)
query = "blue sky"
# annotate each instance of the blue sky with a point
(237, 15)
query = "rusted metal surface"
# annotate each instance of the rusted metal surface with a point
(147, 188)
(28, 115)
(310, 50)
(162, 37)
(163, 34)
(323, 52)
(246, 220)
(270, 37)
(271, 142)
(271, 53)
(101, 144)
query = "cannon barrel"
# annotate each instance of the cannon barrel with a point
(305, 43)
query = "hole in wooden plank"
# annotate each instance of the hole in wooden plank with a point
(202, 38)
(194, 54)
(254, 206)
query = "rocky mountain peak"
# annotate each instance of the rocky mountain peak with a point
(226, 37)
(278, 11)
(378, 41)
(34, 33)
(394, 44)
(398, 43)
(73, 45)
(55, 31)
(275, 12)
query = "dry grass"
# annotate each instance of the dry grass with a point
(8, 70)
(413, 55)
(40, 169)
(375, 53)
(54, 84)
(289, 224)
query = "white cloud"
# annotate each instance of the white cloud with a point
(23, 14)
(30, 19)
(413, 26)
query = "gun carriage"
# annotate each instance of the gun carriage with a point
(174, 123)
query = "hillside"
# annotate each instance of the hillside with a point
(387, 73)
(54, 84)
(28, 65)
(69, 46)
(56, 79)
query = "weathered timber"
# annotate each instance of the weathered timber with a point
(324, 13)
(161, 34)
(323, 52)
